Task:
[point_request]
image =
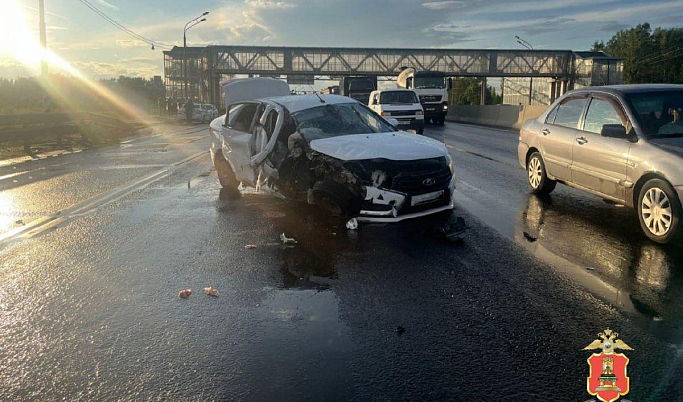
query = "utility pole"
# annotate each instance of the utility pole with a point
(43, 37)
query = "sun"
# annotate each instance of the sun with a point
(18, 41)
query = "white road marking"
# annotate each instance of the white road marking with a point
(86, 207)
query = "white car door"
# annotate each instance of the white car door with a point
(238, 139)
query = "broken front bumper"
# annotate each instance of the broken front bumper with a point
(386, 206)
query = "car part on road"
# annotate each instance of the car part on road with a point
(249, 246)
(211, 291)
(184, 294)
(537, 177)
(453, 232)
(287, 240)
(659, 211)
(352, 224)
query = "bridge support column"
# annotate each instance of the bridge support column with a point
(483, 91)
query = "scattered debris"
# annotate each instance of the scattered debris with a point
(529, 237)
(250, 246)
(211, 291)
(19, 222)
(590, 268)
(188, 184)
(400, 330)
(352, 224)
(453, 232)
(184, 294)
(287, 240)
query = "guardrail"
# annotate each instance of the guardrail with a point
(508, 116)
(27, 128)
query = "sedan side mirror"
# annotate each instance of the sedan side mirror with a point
(614, 131)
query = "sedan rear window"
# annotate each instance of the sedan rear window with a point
(339, 119)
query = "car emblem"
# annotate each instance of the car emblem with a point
(428, 182)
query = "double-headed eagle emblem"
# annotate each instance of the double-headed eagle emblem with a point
(608, 342)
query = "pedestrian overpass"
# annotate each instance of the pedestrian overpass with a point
(197, 71)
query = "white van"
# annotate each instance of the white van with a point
(400, 104)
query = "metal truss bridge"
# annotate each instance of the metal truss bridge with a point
(206, 66)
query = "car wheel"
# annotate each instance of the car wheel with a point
(225, 174)
(421, 130)
(442, 120)
(537, 178)
(659, 211)
(334, 198)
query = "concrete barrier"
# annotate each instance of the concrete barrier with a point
(508, 116)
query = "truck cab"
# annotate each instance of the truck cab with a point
(431, 88)
(400, 104)
(358, 87)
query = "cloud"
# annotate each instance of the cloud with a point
(99, 69)
(445, 5)
(268, 4)
(130, 43)
(108, 5)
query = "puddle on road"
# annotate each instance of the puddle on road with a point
(600, 248)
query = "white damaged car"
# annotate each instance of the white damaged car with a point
(327, 150)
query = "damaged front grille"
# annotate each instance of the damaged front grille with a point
(419, 182)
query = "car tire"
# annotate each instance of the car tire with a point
(441, 120)
(537, 177)
(420, 130)
(226, 176)
(659, 212)
(334, 198)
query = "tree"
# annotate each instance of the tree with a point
(467, 91)
(649, 56)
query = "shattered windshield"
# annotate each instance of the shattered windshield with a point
(660, 114)
(341, 119)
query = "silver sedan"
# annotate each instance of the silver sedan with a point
(623, 143)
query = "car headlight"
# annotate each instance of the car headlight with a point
(449, 161)
(445, 106)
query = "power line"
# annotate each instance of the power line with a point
(122, 28)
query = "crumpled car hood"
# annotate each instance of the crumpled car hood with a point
(398, 145)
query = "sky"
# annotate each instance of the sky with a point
(86, 41)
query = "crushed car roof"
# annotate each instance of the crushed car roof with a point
(243, 89)
(295, 103)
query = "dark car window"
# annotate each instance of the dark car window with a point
(569, 113)
(339, 119)
(600, 112)
(660, 113)
(398, 97)
(241, 116)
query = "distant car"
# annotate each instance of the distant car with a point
(209, 112)
(203, 112)
(623, 143)
(330, 151)
(400, 104)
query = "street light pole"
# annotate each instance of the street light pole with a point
(185, 69)
(43, 37)
(524, 43)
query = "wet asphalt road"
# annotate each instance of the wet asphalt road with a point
(89, 307)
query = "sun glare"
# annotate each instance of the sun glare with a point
(20, 42)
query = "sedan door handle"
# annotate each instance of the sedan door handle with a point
(545, 131)
(581, 140)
